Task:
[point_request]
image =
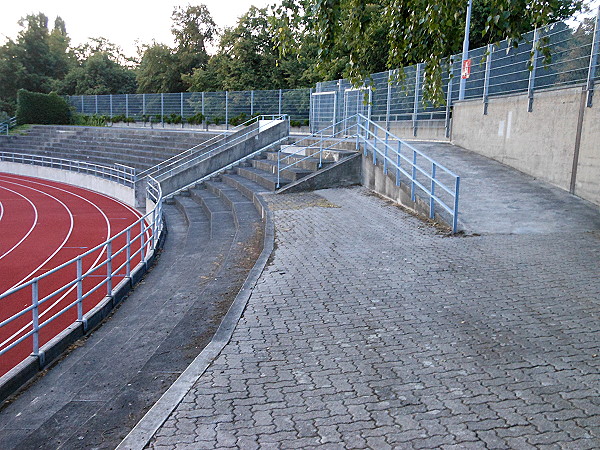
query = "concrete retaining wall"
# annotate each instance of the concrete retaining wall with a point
(197, 169)
(431, 130)
(541, 143)
(87, 181)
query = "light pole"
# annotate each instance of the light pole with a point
(465, 54)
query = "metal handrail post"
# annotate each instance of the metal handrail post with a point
(109, 268)
(79, 289)
(375, 146)
(455, 217)
(35, 317)
(432, 196)
(414, 176)
(398, 161)
(593, 61)
(128, 252)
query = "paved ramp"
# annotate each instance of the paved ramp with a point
(496, 199)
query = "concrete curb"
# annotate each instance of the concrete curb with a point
(147, 427)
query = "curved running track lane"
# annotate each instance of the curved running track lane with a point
(44, 224)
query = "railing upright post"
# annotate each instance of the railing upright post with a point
(82, 106)
(251, 103)
(414, 176)
(128, 250)
(432, 196)
(111, 106)
(593, 61)
(35, 317)
(486, 81)
(127, 106)
(531, 87)
(449, 98)
(455, 217)
(109, 267)
(374, 146)
(144, 104)
(79, 289)
(142, 243)
(416, 104)
(398, 162)
(96, 103)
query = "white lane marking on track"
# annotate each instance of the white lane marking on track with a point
(35, 219)
(1, 211)
(63, 242)
(92, 267)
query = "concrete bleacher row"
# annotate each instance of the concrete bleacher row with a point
(139, 148)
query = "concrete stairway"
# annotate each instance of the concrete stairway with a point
(303, 170)
(135, 147)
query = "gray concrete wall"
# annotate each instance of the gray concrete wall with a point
(540, 143)
(107, 187)
(587, 181)
(432, 130)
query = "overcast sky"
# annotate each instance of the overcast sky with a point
(121, 22)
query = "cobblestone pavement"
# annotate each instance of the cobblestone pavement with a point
(372, 329)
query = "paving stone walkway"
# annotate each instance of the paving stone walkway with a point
(371, 329)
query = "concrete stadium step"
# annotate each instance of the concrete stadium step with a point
(291, 173)
(243, 208)
(220, 215)
(247, 187)
(303, 162)
(265, 179)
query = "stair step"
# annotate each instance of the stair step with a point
(247, 187)
(220, 216)
(244, 210)
(265, 179)
(270, 166)
(310, 163)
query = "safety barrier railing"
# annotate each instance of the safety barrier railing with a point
(118, 172)
(6, 126)
(210, 147)
(440, 185)
(325, 139)
(227, 167)
(92, 275)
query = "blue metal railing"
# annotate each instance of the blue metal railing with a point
(6, 126)
(425, 176)
(439, 185)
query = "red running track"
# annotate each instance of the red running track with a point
(44, 224)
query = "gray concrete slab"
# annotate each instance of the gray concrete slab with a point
(371, 329)
(495, 198)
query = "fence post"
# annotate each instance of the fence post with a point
(486, 81)
(449, 98)
(162, 109)
(111, 106)
(82, 106)
(96, 101)
(35, 317)
(182, 110)
(432, 196)
(593, 61)
(227, 110)
(127, 106)
(144, 104)
(251, 103)
(389, 101)
(416, 104)
(79, 289)
(280, 98)
(531, 88)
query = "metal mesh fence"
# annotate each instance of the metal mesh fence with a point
(495, 70)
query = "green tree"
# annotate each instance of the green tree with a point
(159, 70)
(406, 32)
(99, 74)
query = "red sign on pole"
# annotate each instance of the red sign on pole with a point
(466, 69)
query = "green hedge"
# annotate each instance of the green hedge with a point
(36, 108)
